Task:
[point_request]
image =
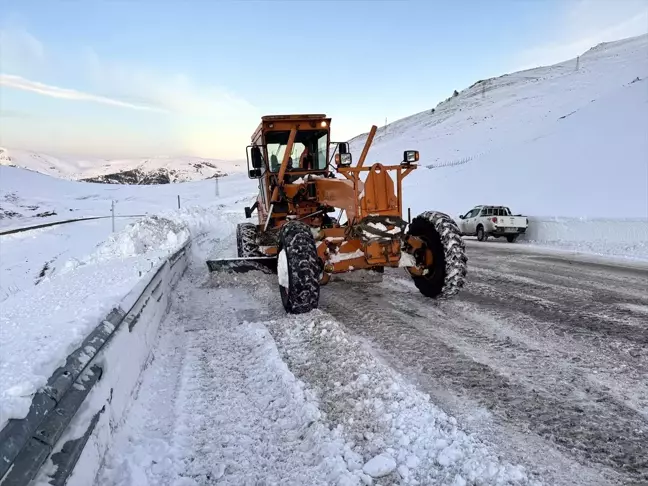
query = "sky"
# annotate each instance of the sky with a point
(131, 78)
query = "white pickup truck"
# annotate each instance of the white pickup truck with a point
(485, 221)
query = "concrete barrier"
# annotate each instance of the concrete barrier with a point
(626, 237)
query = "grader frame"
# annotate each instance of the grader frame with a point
(298, 201)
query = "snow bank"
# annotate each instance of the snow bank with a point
(609, 237)
(42, 324)
(151, 236)
(122, 360)
(27, 258)
(393, 431)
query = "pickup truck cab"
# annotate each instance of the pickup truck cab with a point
(485, 221)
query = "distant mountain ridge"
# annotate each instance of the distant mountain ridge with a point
(144, 171)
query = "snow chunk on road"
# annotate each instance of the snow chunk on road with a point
(380, 465)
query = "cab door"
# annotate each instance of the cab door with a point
(469, 226)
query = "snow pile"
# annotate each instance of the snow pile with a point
(392, 430)
(555, 140)
(608, 237)
(218, 404)
(26, 259)
(151, 236)
(42, 324)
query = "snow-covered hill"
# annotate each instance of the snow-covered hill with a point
(565, 140)
(155, 170)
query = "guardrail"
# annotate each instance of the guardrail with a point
(26, 444)
(65, 221)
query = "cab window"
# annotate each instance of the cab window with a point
(315, 141)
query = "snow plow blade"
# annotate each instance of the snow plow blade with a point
(242, 265)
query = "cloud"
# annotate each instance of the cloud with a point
(18, 82)
(205, 119)
(210, 120)
(583, 25)
(175, 92)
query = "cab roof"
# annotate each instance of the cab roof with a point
(293, 117)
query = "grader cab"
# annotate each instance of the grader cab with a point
(304, 180)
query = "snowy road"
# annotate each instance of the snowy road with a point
(545, 357)
(543, 363)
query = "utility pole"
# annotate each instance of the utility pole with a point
(112, 210)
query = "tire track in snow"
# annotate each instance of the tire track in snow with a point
(487, 351)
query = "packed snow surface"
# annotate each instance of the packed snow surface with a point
(245, 395)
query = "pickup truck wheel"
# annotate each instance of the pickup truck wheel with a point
(511, 238)
(481, 235)
(447, 273)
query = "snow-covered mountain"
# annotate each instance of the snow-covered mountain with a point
(569, 139)
(154, 170)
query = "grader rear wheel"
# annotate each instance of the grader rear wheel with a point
(447, 273)
(246, 244)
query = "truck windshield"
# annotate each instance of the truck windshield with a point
(309, 152)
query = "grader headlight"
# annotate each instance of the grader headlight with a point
(410, 157)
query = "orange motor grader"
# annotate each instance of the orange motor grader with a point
(298, 236)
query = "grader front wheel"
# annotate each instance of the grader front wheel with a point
(446, 274)
(298, 268)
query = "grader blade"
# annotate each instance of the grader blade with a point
(243, 265)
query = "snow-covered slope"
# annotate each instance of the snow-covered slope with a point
(28, 198)
(153, 170)
(565, 140)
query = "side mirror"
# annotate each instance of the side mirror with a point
(410, 157)
(254, 173)
(343, 160)
(343, 147)
(461, 216)
(257, 158)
